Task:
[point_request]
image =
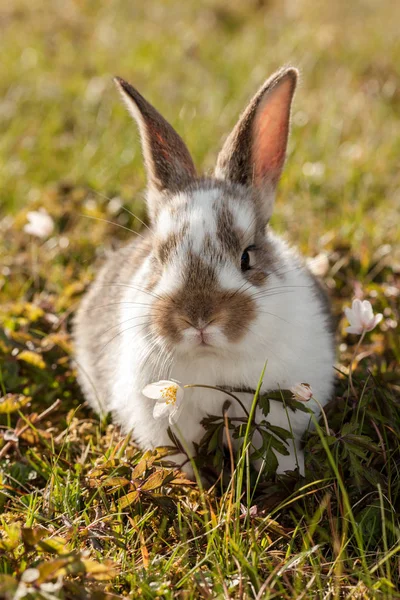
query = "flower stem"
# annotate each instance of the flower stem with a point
(323, 416)
(212, 387)
(352, 361)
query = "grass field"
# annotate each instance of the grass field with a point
(84, 514)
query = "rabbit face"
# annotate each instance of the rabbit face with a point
(210, 250)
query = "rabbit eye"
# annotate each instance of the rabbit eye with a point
(246, 262)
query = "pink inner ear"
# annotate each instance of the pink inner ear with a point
(270, 133)
(162, 145)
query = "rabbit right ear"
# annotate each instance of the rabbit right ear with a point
(254, 153)
(168, 162)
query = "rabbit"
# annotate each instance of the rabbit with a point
(209, 294)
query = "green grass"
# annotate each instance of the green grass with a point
(67, 144)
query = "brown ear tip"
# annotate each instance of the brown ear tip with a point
(291, 73)
(119, 82)
(127, 89)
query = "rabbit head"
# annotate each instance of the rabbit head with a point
(210, 253)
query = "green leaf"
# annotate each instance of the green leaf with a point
(215, 439)
(13, 402)
(296, 405)
(279, 446)
(154, 481)
(115, 481)
(271, 462)
(364, 442)
(32, 535)
(54, 545)
(128, 499)
(32, 358)
(100, 571)
(8, 586)
(347, 429)
(282, 433)
(264, 404)
(51, 569)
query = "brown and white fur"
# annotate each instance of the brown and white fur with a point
(178, 304)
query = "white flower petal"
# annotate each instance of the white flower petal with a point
(10, 436)
(30, 575)
(180, 392)
(153, 390)
(373, 322)
(302, 392)
(175, 413)
(40, 224)
(161, 410)
(349, 313)
(356, 308)
(361, 317)
(168, 396)
(357, 329)
(367, 314)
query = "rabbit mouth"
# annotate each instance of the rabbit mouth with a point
(203, 341)
(204, 346)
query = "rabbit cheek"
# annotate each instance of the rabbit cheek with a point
(257, 277)
(165, 322)
(236, 317)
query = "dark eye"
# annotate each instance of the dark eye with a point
(245, 262)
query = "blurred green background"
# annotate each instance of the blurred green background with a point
(61, 119)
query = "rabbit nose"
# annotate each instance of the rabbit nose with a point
(198, 323)
(201, 324)
(202, 333)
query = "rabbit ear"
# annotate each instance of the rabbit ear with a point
(168, 162)
(254, 153)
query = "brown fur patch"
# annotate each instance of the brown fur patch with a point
(167, 247)
(228, 236)
(201, 300)
(266, 261)
(155, 275)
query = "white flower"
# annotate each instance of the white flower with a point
(361, 317)
(40, 223)
(30, 575)
(10, 436)
(251, 512)
(168, 396)
(302, 392)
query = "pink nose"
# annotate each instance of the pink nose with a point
(202, 333)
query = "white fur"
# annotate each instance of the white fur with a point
(166, 223)
(243, 217)
(288, 334)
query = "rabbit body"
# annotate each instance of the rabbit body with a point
(210, 294)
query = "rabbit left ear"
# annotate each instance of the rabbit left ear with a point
(168, 162)
(254, 153)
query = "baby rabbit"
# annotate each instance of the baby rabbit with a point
(209, 294)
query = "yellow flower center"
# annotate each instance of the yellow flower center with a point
(169, 393)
